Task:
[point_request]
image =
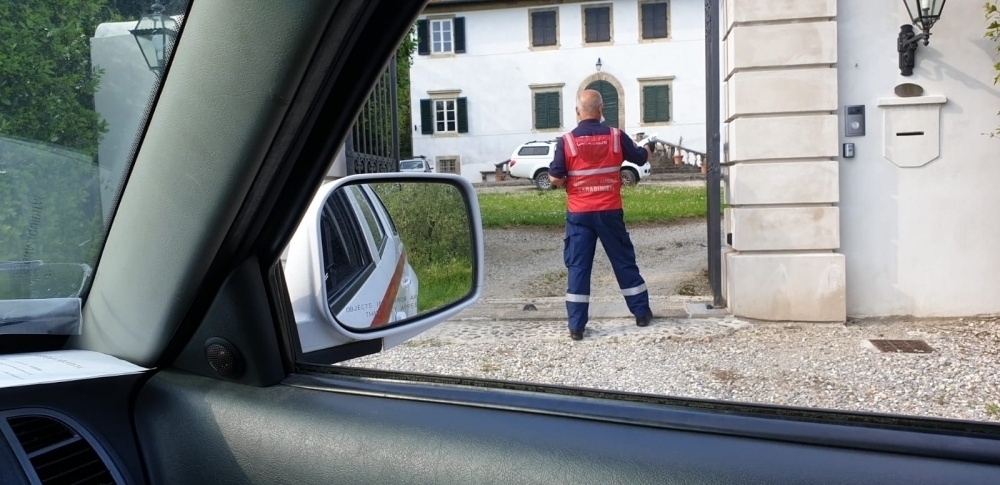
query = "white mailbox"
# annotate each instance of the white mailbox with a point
(911, 129)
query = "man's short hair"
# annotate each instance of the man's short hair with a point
(589, 101)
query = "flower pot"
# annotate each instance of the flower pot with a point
(678, 159)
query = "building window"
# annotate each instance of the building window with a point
(547, 110)
(448, 165)
(441, 36)
(544, 30)
(656, 103)
(441, 42)
(597, 24)
(444, 115)
(654, 16)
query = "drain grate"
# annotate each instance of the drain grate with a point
(902, 346)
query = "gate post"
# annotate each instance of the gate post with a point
(782, 223)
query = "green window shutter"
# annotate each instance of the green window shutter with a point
(540, 112)
(648, 104)
(426, 117)
(423, 38)
(656, 104)
(543, 28)
(462, 108)
(654, 20)
(547, 112)
(459, 33)
(666, 103)
(555, 111)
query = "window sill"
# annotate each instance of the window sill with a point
(655, 40)
(544, 47)
(442, 55)
(548, 130)
(445, 134)
(657, 123)
(599, 44)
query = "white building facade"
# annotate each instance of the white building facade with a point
(490, 75)
(894, 219)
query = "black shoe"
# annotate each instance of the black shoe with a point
(643, 321)
(576, 334)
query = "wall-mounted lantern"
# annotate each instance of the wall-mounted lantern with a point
(923, 14)
(154, 32)
(598, 65)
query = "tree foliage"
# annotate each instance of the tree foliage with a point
(404, 59)
(993, 33)
(50, 206)
(47, 83)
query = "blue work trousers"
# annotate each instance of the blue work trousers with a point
(583, 229)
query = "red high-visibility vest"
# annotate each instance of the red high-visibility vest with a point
(593, 164)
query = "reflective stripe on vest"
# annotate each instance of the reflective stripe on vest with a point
(593, 164)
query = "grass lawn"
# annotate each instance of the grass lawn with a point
(642, 204)
(442, 283)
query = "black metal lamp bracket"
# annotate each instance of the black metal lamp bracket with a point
(906, 45)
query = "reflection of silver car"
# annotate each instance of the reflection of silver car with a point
(419, 164)
(359, 239)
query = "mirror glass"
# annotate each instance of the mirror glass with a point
(394, 250)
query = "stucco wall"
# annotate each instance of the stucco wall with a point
(920, 241)
(498, 68)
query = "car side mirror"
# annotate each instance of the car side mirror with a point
(384, 257)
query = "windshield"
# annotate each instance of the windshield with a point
(411, 164)
(74, 96)
(852, 266)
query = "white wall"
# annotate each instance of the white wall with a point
(121, 99)
(498, 67)
(921, 241)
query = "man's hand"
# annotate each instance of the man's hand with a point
(649, 152)
(558, 182)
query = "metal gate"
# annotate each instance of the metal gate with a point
(373, 145)
(712, 128)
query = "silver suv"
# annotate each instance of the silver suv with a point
(419, 164)
(531, 161)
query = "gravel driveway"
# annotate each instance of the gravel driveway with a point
(797, 364)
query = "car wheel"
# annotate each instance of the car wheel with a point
(542, 180)
(629, 177)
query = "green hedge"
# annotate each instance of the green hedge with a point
(433, 224)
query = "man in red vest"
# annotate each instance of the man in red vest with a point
(587, 162)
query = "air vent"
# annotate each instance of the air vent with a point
(58, 454)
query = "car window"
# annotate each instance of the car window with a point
(372, 222)
(411, 164)
(533, 150)
(76, 87)
(345, 253)
(379, 206)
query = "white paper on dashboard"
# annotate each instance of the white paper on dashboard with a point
(60, 366)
